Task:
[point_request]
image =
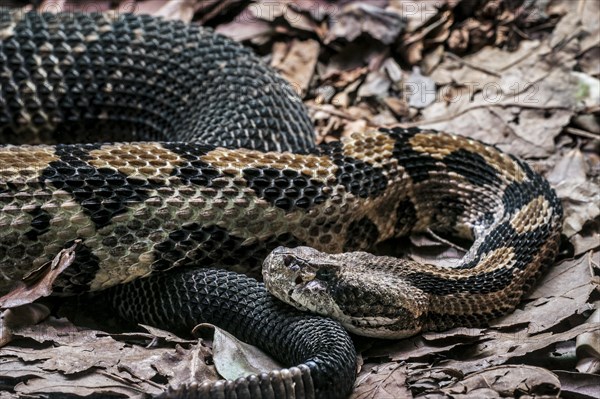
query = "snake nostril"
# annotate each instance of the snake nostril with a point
(298, 280)
(287, 260)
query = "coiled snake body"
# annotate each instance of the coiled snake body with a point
(133, 109)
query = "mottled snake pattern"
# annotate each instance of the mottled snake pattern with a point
(164, 147)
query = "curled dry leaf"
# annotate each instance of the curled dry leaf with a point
(424, 347)
(71, 360)
(563, 292)
(519, 100)
(255, 30)
(38, 283)
(296, 62)
(376, 84)
(421, 90)
(496, 348)
(181, 9)
(18, 317)
(578, 194)
(234, 358)
(507, 381)
(382, 381)
(362, 17)
(588, 345)
(579, 385)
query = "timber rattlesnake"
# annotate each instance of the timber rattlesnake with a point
(165, 197)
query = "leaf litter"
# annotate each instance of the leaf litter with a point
(519, 74)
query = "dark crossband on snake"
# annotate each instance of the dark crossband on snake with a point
(183, 165)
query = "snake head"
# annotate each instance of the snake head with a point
(354, 288)
(302, 277)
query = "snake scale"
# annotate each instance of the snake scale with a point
(162, 146)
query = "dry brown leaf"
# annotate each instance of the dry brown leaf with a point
(183, 10)
(55, 6)
(420, 90)
(423, 347)
(266, 10)
(398, 106)
(589, 58)
(186, 366)
(585, 242)
(563, 292)
(38, 283)
(579, 385)
(18, 317)
(520, 101)
(376, 84)
(578, 194)
(430, 379)
(296, 62)
(354, 56)
(255, 30)
(361, 17)
(301, 20)
(30, 382)
(588, 345)
(154, 334)
(234, 358)
(416, 14)
(507, 381)
(69, 359)
(497, 348)
(433, 31)
(384, 381)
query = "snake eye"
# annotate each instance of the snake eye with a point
(324, 274)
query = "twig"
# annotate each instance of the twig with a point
(444, 241)
(583, 133)
(473, 66)
(335, 112)
(427, 30)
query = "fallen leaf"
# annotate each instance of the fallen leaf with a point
(234, 358)
(255, 30)
(578, 385)
(588, 345)
(563, 292)
(38, 283)
(507, 381)
(296, 62)
(397, 105)
(356, 18)
(423, 347)
(384, 381)
(430, 379)
(578, 194)
(416, 13)
(520, 101)
(178, 10)
(376, 84)
(497, 348)
(20, 316)
(60, 357)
